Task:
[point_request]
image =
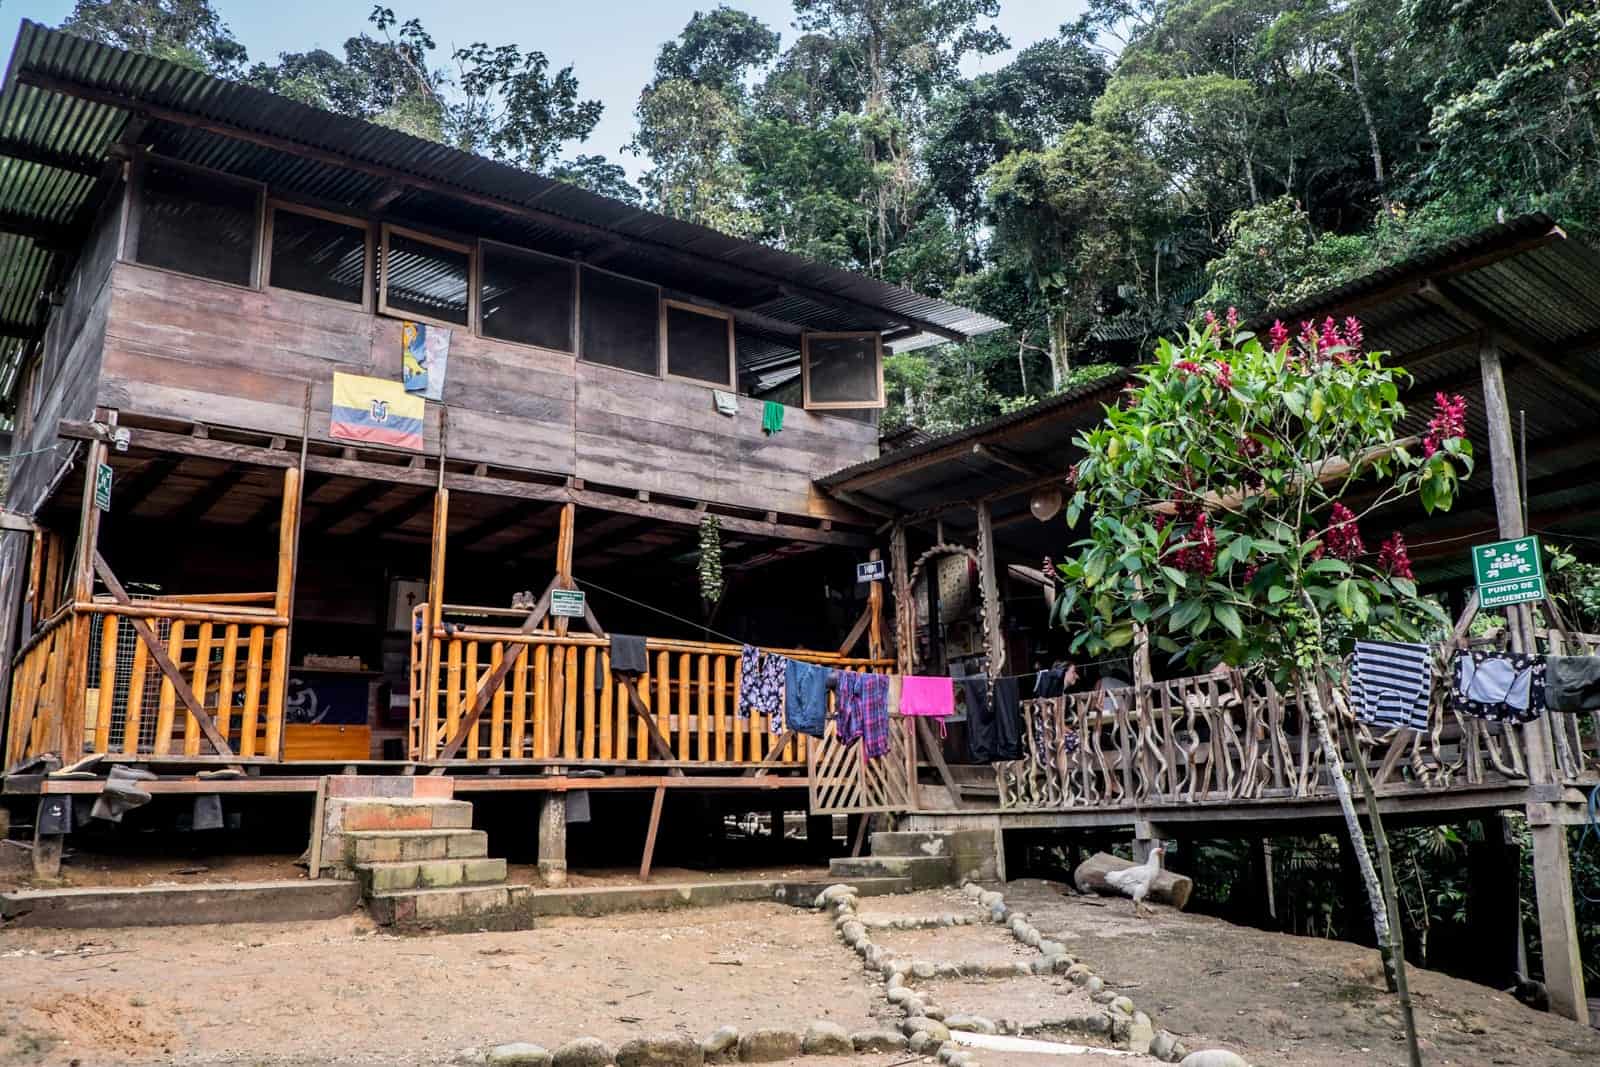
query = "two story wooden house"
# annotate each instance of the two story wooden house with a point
(201, 573)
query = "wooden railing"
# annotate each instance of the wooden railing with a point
(1233, 737)
(562, 703)
(88, 683)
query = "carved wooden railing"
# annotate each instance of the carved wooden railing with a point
(88, 683)
(562, 703)
(1234, 737)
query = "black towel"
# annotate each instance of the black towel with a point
(628, 655)
(980, 717)
(1572, 683)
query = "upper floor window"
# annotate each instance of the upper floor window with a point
(317, 253)
(525, 297)
(842, 370)
(425, 278)
(699, 343)
(197, 223)
(620, 322)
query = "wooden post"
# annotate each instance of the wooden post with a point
(650, 834)
(1552, 865)
(553, 839)
(905, 612)
(436, 557)
(282, 605)
(994, 647)
(72, 711)
(875, 644)
(564, 539)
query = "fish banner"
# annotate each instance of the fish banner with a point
(424, 355)
(375, 411)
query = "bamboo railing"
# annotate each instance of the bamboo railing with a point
(87, 683)
(561, 702)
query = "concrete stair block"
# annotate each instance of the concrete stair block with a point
(430, 874)
(499, 907)
(973, 851)
(388, 846)
(398, 813)
(923, 872)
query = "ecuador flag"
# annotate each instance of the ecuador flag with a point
(375, 411)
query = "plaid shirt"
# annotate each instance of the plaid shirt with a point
(864, 711)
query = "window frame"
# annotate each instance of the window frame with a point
(805, 370)
(381, 280)
(132, 219)
(661, 350)
(577, 299)
(732, 384)
(368, 274)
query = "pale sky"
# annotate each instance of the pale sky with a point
(611, 45)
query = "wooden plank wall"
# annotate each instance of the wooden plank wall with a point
(192, 349)
(68, 364)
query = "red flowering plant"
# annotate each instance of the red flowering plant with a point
(1224, 499)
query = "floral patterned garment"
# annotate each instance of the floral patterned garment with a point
(761, 679)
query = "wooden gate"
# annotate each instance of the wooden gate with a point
(842, 782)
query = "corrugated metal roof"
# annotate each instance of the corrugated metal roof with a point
(103, 86)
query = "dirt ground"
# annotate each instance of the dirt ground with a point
(1293, 1001)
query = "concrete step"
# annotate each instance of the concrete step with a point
(972, 850)
(923, 872)
(461, 908)
(430, 874)
(803, 894)
(387, 846)
(398, 813)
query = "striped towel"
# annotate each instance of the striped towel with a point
(1391, 684)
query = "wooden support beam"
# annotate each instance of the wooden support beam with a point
(1464, 307)
(1007, 458)
(512, 517)
(774, 756)
(905, 615)
(853, 638)
(656, 803)
(44, 234)
(49, 157)
(875, 639)
(133, 490)
(993, 641)
(358, 499)
(158, 652)
(392, 518)
(209, 496)
(565, 532)
(658, 744)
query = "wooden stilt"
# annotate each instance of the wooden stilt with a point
(564, 538)
(650, 835)
(875, 641)
(436, 559)
(993, 643)
(1552, 865)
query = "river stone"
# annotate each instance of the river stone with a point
(824, 1038)
(768, 1045)
(582, 1052)
(1000, 914)
(899, 995)
(660, 1050)
(1094, 984)
(1079, 974)
(1051, 948)
(921, 1024)
(1142, 1033)
(920, 1042)
(933, 1011)
(1213, 1057)
(990, 899)
(518, 1054)
(1105, 996)
(877, 1041)
(1122, 1004)
(923, 969)
(976, 1024)
(722, 1046)
(1166, 1047)
(836, 891)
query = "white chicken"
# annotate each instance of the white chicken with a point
(1136, 881)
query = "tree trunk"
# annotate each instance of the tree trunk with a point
(1372, 133)
(1058, 349)
(1167, 888)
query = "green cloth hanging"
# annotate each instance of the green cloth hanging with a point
(771, 417)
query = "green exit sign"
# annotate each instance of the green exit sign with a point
(102, 487)
(1508, 572)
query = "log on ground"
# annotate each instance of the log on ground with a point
(1168, 888)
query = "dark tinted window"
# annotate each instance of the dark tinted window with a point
(318, 256)
(698, 346)
(198, 224)
(621, 322)
(526, 298)
(426, 279)
(843, 370)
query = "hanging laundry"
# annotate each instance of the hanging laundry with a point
(1499, 686)
(726, 403)
(376, 412)
(864, 711)
(628, 654)
(1006, 703)
(771, 417)
(424, 355)
(1391, 684)
(1572, 683)
(761, 682)
(982, 742)
(927, 695)
(805, 687)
